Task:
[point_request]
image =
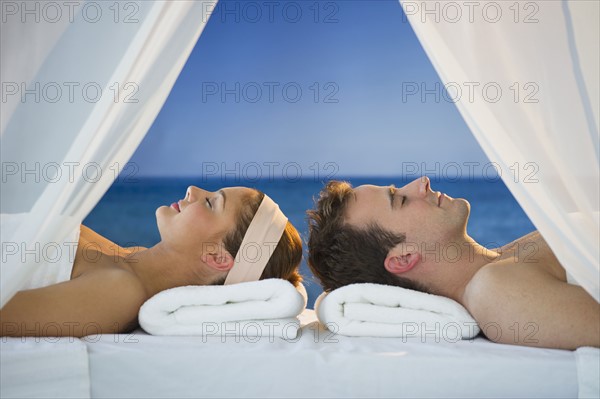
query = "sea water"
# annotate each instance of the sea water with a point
(126, 213)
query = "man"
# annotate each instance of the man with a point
(416, 238)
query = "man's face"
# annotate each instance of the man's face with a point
(422, 215)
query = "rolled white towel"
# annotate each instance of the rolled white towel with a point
(257, 308)
(374, 310)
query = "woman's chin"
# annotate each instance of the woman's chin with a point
(163, 211)
(162, 216)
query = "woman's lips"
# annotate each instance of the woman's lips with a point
(176, 206)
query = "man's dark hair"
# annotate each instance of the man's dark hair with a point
(340, 254)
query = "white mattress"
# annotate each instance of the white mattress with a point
(47, 367)
(317, 364)
(320, 364)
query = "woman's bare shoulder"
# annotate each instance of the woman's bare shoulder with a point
(96, 252)
(110, 280)
(103, 301)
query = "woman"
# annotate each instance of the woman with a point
(201, 236)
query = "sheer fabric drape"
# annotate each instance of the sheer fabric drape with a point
(81, 83)
(533, 71)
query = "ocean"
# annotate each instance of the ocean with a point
(126, 213)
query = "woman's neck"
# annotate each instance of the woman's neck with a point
(160, 268)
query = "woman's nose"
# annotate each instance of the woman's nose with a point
(194, 193)
(191, 194)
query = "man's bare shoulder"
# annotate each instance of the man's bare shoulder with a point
(525, 306)
(499, 274)
(490, 287)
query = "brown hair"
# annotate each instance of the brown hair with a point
(340, 254)
(287, 255)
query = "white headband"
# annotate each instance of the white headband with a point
(264, 233)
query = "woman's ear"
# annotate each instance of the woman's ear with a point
(397, 262)
(220, 260)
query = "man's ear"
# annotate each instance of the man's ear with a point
(398, 262)
(221, 260)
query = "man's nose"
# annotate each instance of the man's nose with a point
(418, 187)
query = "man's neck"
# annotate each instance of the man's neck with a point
(456, 267)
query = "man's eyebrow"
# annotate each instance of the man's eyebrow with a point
(224, 197)
(391, 192)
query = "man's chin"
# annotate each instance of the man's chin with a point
(463, 209)
(466, 204)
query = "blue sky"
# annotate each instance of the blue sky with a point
(306, 87)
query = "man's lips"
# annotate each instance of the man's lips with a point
(176, 206)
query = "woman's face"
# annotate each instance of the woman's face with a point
(198, 223)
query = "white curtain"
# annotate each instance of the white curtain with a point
(533, 70)
(81, 84)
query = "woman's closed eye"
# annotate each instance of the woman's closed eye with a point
(208, 203)
(403, 200)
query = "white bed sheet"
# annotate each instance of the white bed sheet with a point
(320, 364)
(47, 367)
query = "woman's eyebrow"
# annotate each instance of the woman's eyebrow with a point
(224, 197)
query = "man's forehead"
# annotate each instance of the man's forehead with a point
(366, 188)
(366, 199)
(368, 192)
